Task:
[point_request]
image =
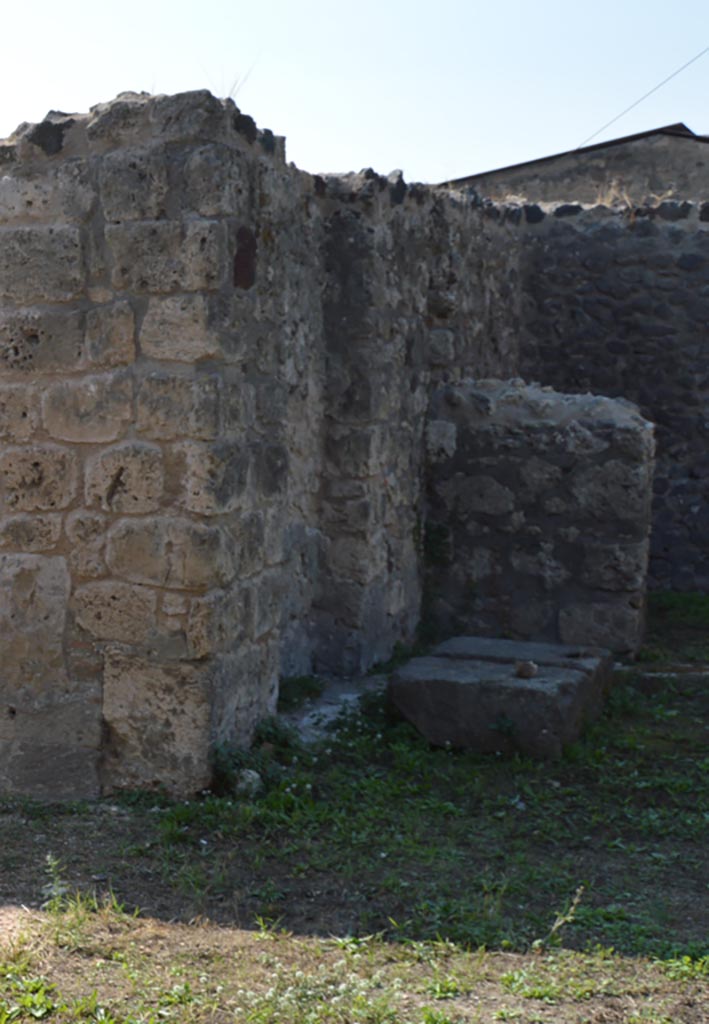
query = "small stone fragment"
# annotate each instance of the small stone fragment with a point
(526, 669)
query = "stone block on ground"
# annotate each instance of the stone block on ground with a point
(157, 723)
(488, 695)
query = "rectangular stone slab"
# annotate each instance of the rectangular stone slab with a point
(485, 648)
(485, 706)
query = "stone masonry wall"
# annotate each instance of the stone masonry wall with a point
(146, 403)
(214, 371)
(617, 302)
(643, 170)
(539, 514)
(418, 291)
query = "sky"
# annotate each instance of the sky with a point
(439, 89)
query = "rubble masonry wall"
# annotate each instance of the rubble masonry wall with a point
(617, 303)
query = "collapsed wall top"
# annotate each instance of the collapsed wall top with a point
(132, 118)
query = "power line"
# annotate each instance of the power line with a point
(637, 102)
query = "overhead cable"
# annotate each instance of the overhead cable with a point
(637, 102)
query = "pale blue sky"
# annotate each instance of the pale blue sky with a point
(439, 89)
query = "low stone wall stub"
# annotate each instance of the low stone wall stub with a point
(538, 514)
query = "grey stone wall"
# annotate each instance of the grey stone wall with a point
(638, 171)
(538, 514)
(418, 289)
(617, 303)
(214, 371)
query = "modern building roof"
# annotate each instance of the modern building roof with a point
(678, 130)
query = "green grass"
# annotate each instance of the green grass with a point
(376, 879)
(398, 824)
(678, 628)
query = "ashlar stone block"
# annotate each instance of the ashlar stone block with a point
(110, 335)
(177, 328)
(49, 750)
(111, 610)
(360, 559)
(90, 410)
(145, 256)
(259, 541)
(86, 532)
(615, 567)
(39, 478)
(169, 406)
(18, 412)
(133, 184)
(245, 691)
(615, 490)
(219, 621)
(125, 479)
(137, 550)
(204, 255)
(63, 193)
(34, 591)
(158, 722)
(268, 593)
(270, 464)
(37, 341)
(194, 115)
(214, 180)
(200, 556)
(159, 257)
(117, 123)
(212, 478)
(171, 552)
(41, 264)
(30, 532)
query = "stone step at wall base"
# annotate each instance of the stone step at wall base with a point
(493, 696)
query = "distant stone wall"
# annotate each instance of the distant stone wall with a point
(639, 171)
(214, 371)
(617, 303)
(538, 515)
